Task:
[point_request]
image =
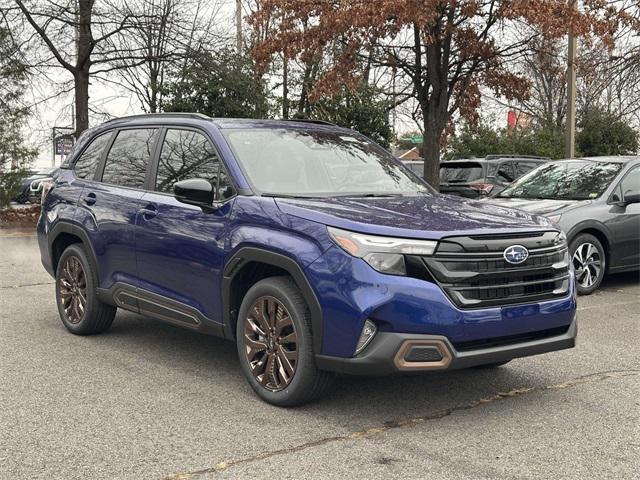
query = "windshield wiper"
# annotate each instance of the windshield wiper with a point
(286, 195)
(370, 195)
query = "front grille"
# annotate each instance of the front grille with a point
(474, 274)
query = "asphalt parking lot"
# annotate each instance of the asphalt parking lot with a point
(150, 401)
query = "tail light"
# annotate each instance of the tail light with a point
(482, 187)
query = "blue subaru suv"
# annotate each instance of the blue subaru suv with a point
(307, 244)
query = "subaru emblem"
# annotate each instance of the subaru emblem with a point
(516, 254)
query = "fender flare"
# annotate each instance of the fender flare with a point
(589, 225)
(245, 255)
(63, 226)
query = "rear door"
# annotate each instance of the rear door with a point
(180, 248)
(85, 168)
(113, 203)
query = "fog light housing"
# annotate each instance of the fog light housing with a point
(368, 332)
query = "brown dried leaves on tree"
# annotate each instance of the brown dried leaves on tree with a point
(445, 50)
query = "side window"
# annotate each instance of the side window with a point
(188, 154)
(631, 182)
(85, 166)
(505, 172)
(129, 156)
(522, 167)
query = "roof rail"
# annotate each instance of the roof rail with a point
(199, 116)
(514, 155)
(308, 120)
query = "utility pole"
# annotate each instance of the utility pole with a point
(570, 129)
(239, 26)
(285, 87)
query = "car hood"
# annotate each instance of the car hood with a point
(539, 207)
(428, 216)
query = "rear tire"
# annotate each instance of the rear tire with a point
(275, 344)
(589, 262)
(80, 309)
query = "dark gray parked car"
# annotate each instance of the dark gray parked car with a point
(596, 202)
(479, 177)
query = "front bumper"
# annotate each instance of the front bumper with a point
(388, 352)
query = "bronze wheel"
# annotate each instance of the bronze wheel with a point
(271, 344)
(72, 289)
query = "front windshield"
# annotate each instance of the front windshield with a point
(571, 180)
(308, 163)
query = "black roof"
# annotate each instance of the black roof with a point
(492, 158)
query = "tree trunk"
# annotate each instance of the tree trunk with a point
(84, 47)
(154, 88)
(81, 79)
(285, 88)
(431, 153)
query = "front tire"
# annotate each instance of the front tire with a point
(80, 309)
(588, 258)
(275, 344)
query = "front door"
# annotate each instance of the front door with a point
(180, 248)
(625, 224)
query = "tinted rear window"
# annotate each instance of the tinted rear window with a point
(85, 166)
(129, 156)
(461, 172)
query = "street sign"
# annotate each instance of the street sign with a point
(64, 143)
(415, 139)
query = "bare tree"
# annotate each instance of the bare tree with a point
(163, 35)
(79, 37)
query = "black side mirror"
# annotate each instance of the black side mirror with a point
(195, 191)
(631, 197)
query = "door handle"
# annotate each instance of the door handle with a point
(90, 198)
(149, 211)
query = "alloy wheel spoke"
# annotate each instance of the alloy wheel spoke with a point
(272, 311)
(288, 354)
(255, 327)
(286, 358)
(578, 254)
(253, 347)
(260, 317)
(291, 338)
(282, 321)
(587, 281)
(590, 250)
(282, 373)
(268, 370)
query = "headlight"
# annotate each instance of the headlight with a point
(554, 218)
(385, 254)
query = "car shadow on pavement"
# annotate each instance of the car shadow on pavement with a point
(621, 280)
(353, 402)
